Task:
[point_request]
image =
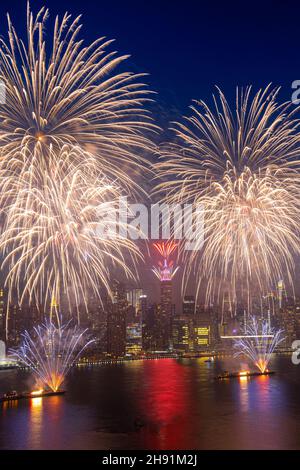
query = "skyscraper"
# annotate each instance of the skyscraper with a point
(188, 305)
(202, 334)
(182, 329)
(2, 314)
(148, 324)
(164, 271)
(134, 299)
(116, 321)
(134, 323)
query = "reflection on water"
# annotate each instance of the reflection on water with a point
(162, 404)
(36, 405)
(9, 404)
(264, 387)
(244, 393)
(36, 420)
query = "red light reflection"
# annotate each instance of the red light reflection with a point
(165, 404)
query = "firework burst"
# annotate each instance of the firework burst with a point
(62, 235)
(50, 351)
(72, 96)
(242, 167)
(71, 129)
(259, 343)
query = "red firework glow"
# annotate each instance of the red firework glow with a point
(165, 249)
(166, 269)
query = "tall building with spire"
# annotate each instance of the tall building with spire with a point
(165, 271)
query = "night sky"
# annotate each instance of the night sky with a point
(188, 47)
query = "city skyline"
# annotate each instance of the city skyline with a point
(131, 324)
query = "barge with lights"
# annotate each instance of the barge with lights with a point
(243, 373)
(12, 396)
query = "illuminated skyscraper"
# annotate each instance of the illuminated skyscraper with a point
(282, 295)
(2, 314)
(188, 305)
(15, 324)
(134, 322)
(202, 334)
(116, 321)
(149, 314)
(165, 271)
(133, 339)
(182, 334)
(133, 299)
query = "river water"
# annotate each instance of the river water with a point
(157, 404)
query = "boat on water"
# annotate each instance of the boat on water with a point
(8, 367)
(11, 396)
(242, 373)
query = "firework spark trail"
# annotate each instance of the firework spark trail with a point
(50, 351)
(261, 345)
(56, 238)
(70, 130)
(165, 249)
(242, 166)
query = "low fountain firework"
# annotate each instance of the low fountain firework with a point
(50, 351)
(259, 343)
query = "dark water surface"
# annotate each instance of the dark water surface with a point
(159, 404)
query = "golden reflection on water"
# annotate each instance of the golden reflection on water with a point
(9, 404)
(36, 419)
(244, 393)
(263, 391)
(36, 403)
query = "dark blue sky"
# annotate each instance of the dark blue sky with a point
(189, 46)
